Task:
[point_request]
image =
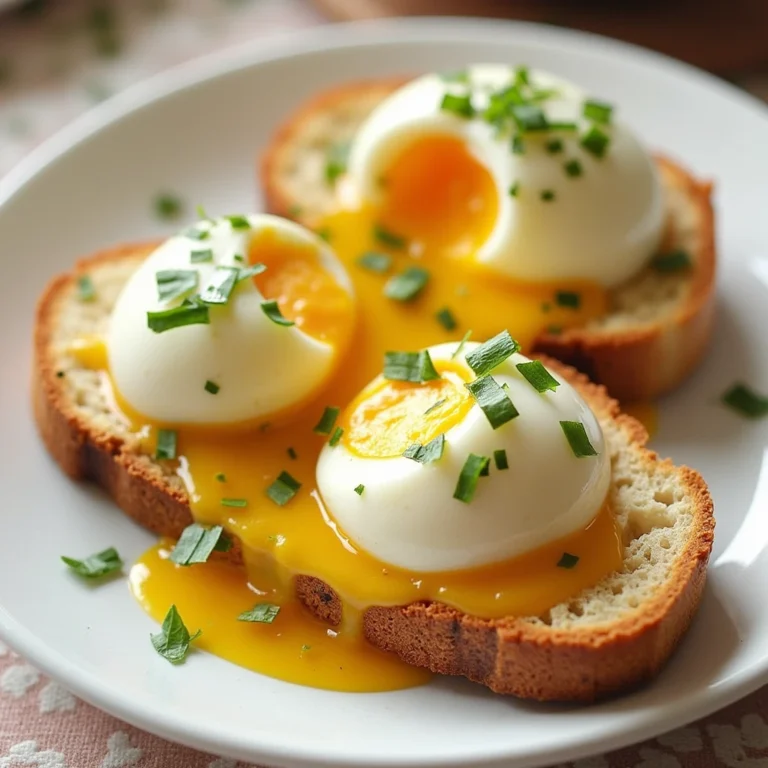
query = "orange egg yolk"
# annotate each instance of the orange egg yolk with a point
(440, 204)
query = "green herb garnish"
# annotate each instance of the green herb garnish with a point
(547, 195)
(674, 261)
(568, 299)
(96, 565)
(458, 104)
(493, 401)
(578, 439)
(238, 221)
(492, 353)
(202, 255)
(436, 405)
(173, 640)
(272, 311)
(168, 207)
(446, 318)
(595, 141)
(221, 477)
(529, 117)
(336, 436)
(567, 560)
(197, 542)
(457, 76)
(390, 239)
(212, 387)
(573, 169)
(471, 472)
(327, 420)
(234, 503)
(554, 146)
(261, 613)
(464, 340)
(292, 453)
(175, 283)
(746, 401)
(538, 376)
(220, 285)
(407, 285)
(196, 232)
(500, 459)
(359, 489)
(426, 454)
(375, 262)
(283, 489)
(166, 444)
(86, 290)
(336, 161)
(514, 190)
(416, 367)
(597, 111)
(518, 145)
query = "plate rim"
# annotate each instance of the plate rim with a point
(356, 34)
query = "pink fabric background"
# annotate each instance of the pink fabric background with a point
(54, 64)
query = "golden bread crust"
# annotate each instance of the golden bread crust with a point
(635, 360)
(527, 657)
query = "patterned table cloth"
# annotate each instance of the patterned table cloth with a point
(56, 60)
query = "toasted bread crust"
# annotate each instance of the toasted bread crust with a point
(513, 655)
(635, 362)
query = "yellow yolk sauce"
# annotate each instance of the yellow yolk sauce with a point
(440, 204)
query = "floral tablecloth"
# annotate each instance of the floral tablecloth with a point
(56, 60)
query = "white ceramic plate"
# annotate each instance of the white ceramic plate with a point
(197, 130)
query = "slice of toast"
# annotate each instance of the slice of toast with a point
(605, 639)
(659, 323)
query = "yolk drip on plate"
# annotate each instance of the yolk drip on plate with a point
(435, 226)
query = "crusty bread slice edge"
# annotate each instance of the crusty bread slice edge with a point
(635, 363)
(512, 656)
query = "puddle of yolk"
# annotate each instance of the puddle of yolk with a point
(301, 537)
(295, 647)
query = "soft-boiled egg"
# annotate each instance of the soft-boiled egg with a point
(408, 514)
(517, 171)
(234, 309)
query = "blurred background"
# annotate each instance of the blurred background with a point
(60, 57)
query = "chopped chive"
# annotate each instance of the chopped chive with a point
(388, 238)
(500, 459)
(436, 405)
(407, 285)
(283, 489)
(674, 261)
(464, 340)
(204, 254)
(327, 420)
(745, 401)
(359, 489)
(471, 472)
(197, 542)
(457, 76)
(492, 353)
(569, 299)
(175, 283)
(518, 145)
(245, 273)
(427, 453)
(493, 401)
(261, 613)
(173, 640)
(212, 387)
(595, 142)
(196, 232)
(236, 503)
(220, 285)
(336, 436)
(272, 311)
(458, 104)
(416, 367)
(547, 195)
(375, 262)
(305, 648)
(446, 318)
(166, 444)
(168, 207)
(554, 146)
(238, 221)
(336, 161)
(239, 258)
(221, 477)
(529, 117)
(563, 125)
(538, 376)
(597, 111)
(522, 75)
(573, 168)
(292, 453)
(86, 291)
(60, 374)
(202, 213)
(567, 560)
(324, 233)
(94, 566)
(514, 190)
(578, 439)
